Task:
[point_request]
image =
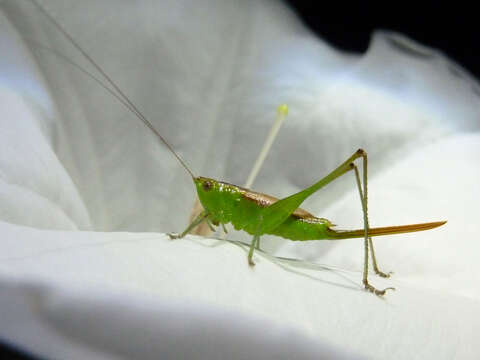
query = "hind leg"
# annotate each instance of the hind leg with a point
(368, 244)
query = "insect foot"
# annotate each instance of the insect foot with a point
(377, 292)
(250, 262)
(382, 274)
(173, 236)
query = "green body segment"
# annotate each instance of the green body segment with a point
(226, 203)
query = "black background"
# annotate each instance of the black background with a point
(450, 28)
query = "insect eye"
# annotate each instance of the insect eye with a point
(207, 185)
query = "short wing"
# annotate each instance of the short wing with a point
(275, 214)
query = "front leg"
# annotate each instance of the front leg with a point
(201, 217)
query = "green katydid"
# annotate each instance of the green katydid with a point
(260, 214)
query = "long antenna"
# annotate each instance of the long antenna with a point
(131, 106)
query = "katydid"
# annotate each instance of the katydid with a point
(259, 214)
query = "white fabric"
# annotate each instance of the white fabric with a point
(87, 194)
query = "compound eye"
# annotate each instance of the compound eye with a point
(207, 185)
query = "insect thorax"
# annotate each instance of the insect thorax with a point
(225, 202)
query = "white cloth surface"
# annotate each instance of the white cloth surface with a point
(87, 193)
